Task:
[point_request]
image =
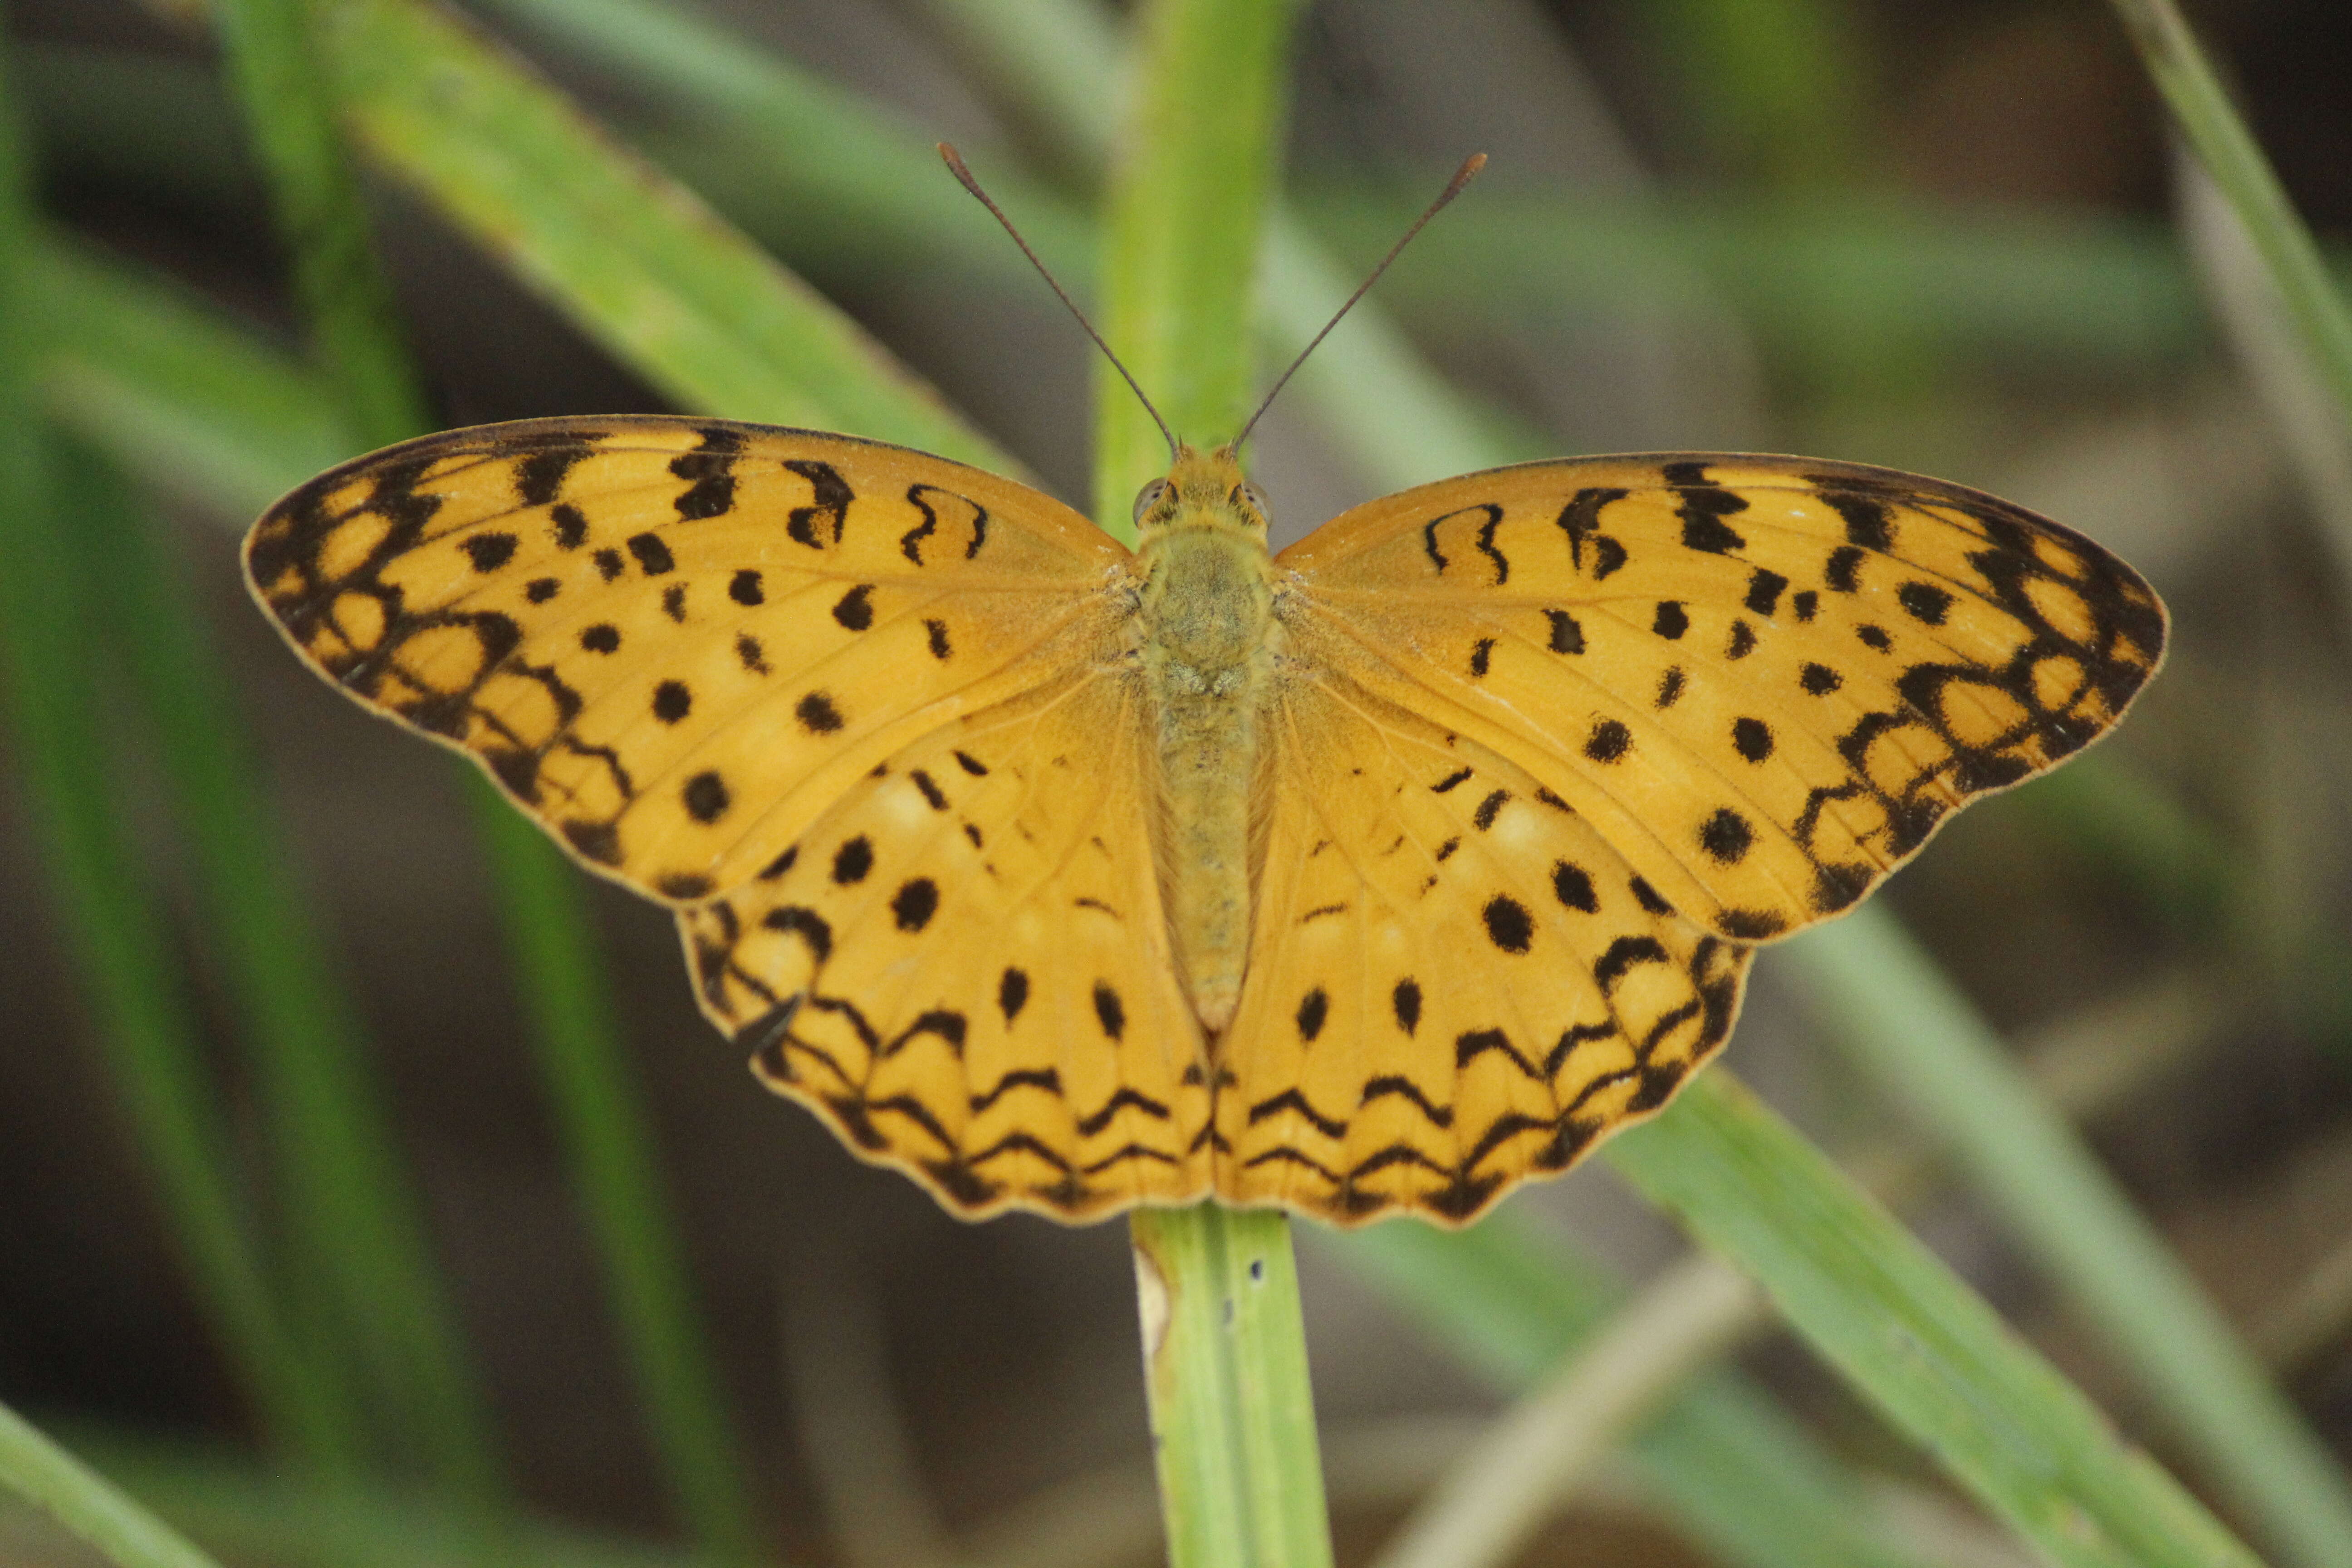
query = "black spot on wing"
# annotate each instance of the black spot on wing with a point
(1508, 924)
(1313, 1009)
(914, 904)
(855, 609)
(853, 861)
(1012, 993)
(1671, 620)
(1609, 740)
(744, 587)
(653, 556)
(1764, 589)
(1567, 636)
(1573, 885)
(1109, 1012)
(1404, 1005)
(1725, 836)
(817, 714)
(489, 552)
(706, 797)
(673, 701)
(828, 508)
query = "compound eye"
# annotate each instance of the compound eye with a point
(1149, 497)
(1256, 498)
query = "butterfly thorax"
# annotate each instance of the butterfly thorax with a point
(1206, 626)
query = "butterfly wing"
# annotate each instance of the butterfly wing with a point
(965, 964)
(1763, 680)
(861, 712)
(674, 642)
(1455, 981)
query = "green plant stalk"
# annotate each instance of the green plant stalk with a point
(638, 260)
(192, 403)
(290, 104)
(133, 980)
(1867, 980)
(1233, 1416)
(82, 1500)
(610, 1151)
(1224, 1358)
(1895, 1321)
(357, 1224)
(2227, 148)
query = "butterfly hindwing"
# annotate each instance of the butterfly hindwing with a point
(964, 965)
(672, 641)
(1765, 681)
(1455, 982)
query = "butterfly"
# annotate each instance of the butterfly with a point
(1375, 877)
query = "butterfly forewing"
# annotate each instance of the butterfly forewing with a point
(1763, 680)
(674, 641)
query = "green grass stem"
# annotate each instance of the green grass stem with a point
(610, 1152)
(2226, 146)
(291, 104)
(86, 1503)
(1744, 1479)
(1233, 1416)
(133, 980)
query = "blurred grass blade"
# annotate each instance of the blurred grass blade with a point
(193, 403)
(1924, 1347)
(83, 1501)
(2232, 155)
(1746, 1481)
(635, 259)
(1224, 1345)
(287, 99)
(131, 977)
(341, 1183)
(1490, 1503)
(1920, 1042)
(610, 1152)
(357, 1226)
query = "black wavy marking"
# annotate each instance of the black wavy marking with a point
(1717, 970)
(2123, 643)
(785, 1053)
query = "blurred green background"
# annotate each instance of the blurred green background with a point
(1953, 239)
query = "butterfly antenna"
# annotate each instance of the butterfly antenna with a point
(963, 176)
(1462, 176)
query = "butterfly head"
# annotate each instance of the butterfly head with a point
(1201, 489)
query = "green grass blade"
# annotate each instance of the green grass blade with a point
(289, 111)
(610, 1152)
(357, 1224)
(1186, 222)
(83, 1501)
(271, 46)
(342, 1186)
(1232, 1417)
(1916, 1037)
(1225, 1357)
(635, 259)
(1912, 1337)
(1743, 1478)
(2231, 154)
(194, 404)
(133, 980)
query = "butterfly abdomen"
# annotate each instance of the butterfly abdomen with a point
(1206, 618)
